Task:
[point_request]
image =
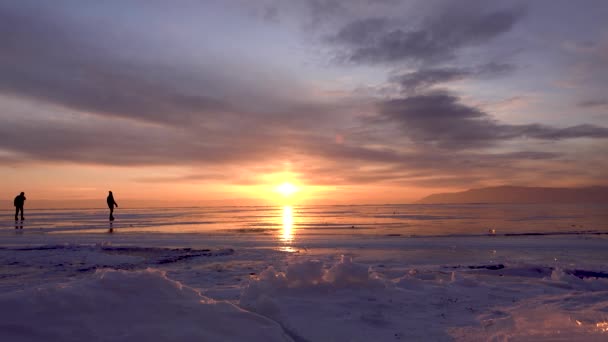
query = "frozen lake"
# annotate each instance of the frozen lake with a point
(313, 273)
(301, 221)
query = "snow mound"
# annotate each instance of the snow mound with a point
(113, 305)
(348, 274)
(317, 302)
(310, 275)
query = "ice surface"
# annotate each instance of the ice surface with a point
(350, 301)
(324, 281)
(115, 305)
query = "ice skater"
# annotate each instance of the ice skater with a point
(111, 204)
(19, 202)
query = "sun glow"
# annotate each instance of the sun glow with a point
(287, 189)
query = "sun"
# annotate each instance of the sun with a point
(287, 189)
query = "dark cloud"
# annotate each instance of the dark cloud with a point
(593, 103)
(388, 40)
(551, 133)
(425, 78)
(440, 119)
(236, 158)
(198, 178)
(322, 12)
(88, 139)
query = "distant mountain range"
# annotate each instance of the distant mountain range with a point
(519, 194)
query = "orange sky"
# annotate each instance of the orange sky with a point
(76, 185)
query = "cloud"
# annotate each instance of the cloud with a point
(595, 103)
(207, 177)
(113, 89)
(118, 97)
(91, 139)
(51, 56)
(378, 40)
(587, 69)
(420, 167)
(238, 158)
(425, 78)
(441, 120)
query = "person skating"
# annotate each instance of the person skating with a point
(19, 202)
(111, 203)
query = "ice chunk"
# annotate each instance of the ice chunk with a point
(346, 273)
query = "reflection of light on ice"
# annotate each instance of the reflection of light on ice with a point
(287, 235)
(288, 249)
(598, 326)
(602, 326)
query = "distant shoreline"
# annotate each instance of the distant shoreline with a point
(521, 195)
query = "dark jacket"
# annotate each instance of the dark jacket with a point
(19, 201)
(111, 202)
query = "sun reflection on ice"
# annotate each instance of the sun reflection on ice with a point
(287, 234)
(288, 249)
(601, 326)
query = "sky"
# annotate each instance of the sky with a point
(349, 101)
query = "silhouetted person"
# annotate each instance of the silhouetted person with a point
(19, 202)
(111, 204)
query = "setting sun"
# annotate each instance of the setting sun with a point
(287, 189)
